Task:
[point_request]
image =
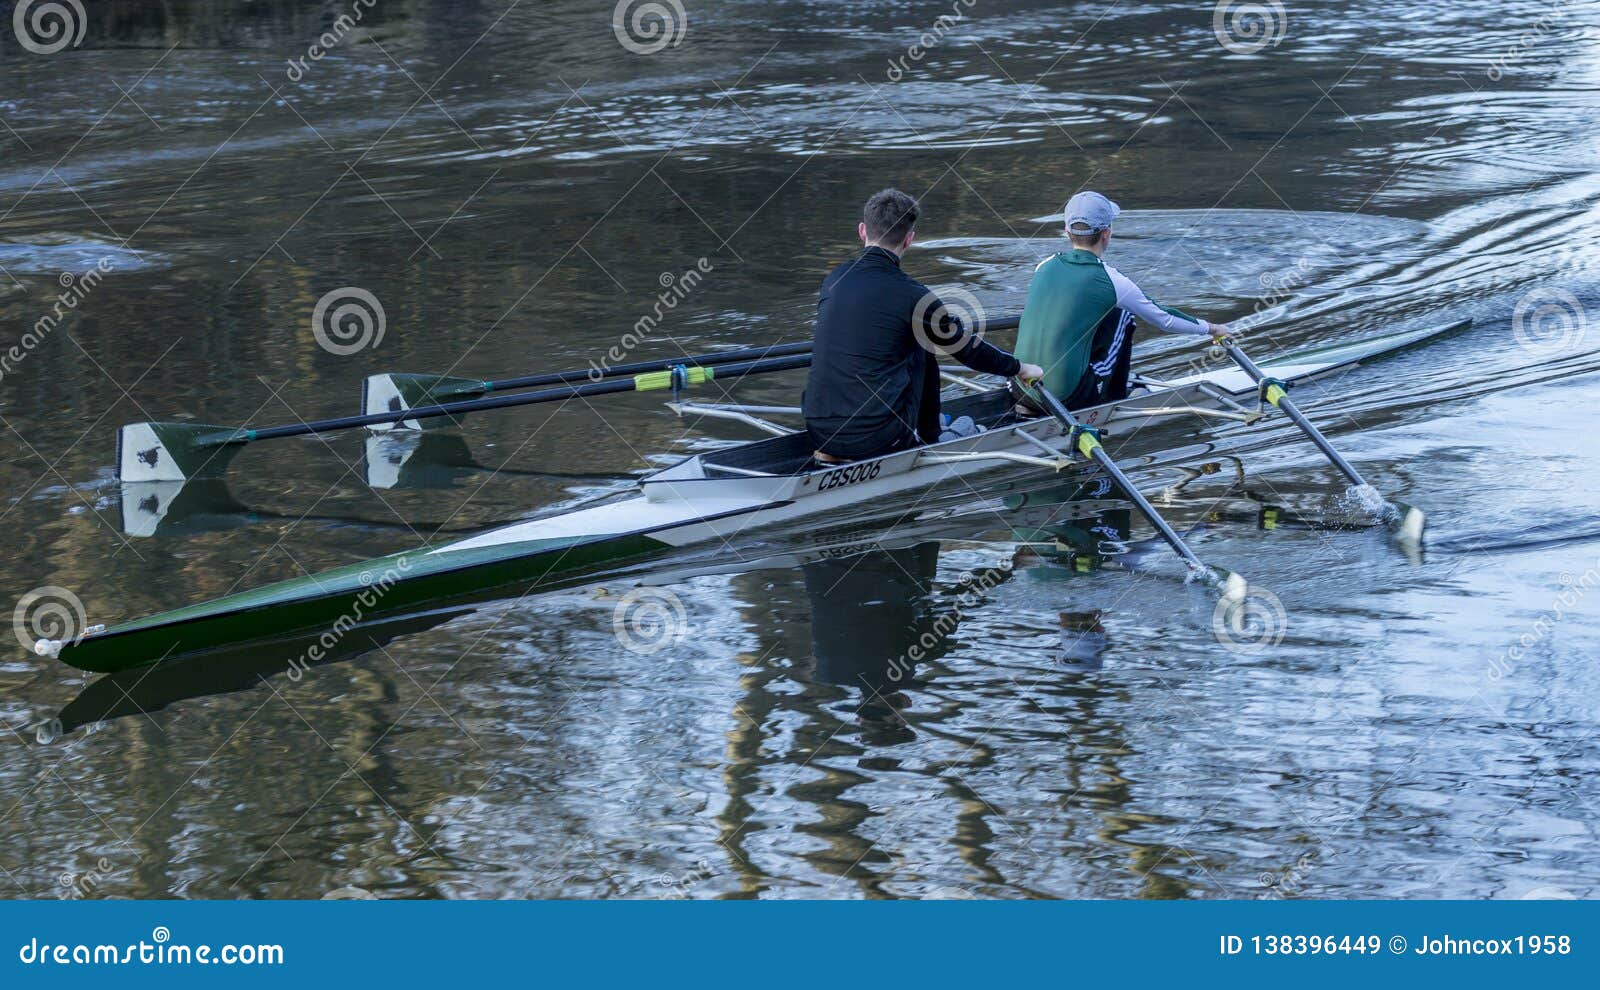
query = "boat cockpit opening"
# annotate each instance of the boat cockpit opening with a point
(791, 454)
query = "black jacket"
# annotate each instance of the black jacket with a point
(874, 386)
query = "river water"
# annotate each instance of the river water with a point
(517, 188)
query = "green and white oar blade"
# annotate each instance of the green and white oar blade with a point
(393, 392)
(176, 451)
(1407, 523)
(1230, 587)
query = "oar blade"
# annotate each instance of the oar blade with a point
(1407, 523)
(176, 451)
(393, 392)
(1230, 587)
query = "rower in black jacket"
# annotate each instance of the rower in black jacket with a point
(874, 382)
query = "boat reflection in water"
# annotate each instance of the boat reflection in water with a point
(143, 690)
(878, 611)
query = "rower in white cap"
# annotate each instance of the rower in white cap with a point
(1078, 321)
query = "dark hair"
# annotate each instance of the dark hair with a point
(1086, 241)
(889, 216)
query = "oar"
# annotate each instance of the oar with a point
(1405, 521)
(180, 451)
(1086, 440)
(394, 391)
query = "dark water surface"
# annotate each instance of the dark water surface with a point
(516, 187)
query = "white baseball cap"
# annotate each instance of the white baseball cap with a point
(1089, 213)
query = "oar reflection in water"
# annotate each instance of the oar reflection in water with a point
(393, 461)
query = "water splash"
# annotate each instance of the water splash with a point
(1368, 499)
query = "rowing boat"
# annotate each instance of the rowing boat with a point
(714, 498)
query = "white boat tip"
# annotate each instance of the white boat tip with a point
(48, 648)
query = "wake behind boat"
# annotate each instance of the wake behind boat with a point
(716, 499)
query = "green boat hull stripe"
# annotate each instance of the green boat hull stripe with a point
(385, 586)
(347, 596)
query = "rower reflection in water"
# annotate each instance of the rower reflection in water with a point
(1076, 529)
(871, 614)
